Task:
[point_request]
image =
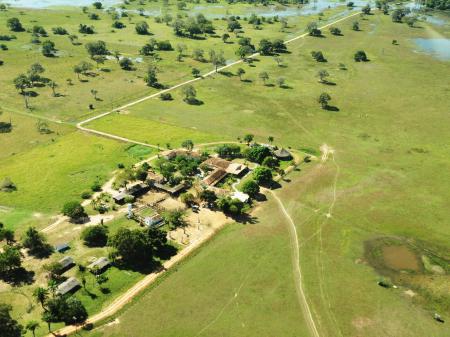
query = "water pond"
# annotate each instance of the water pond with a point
(438, 48)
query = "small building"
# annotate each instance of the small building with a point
(229, 167)
(99, 265)
(153, 220)
(62, 247)
(214, 177)
(282, 154)
(137, 189)
(121, 197)
(153, 177)
(69, 285)
(170, 189)
(170, 154)
(243, 197)
(66, 262)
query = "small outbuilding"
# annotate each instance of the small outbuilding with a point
(242, 197)
(170, 189)
(62, 247)
(69, 285)
(282, 154)
(153, 220)
(66, 262)
(99, 266)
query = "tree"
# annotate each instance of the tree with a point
(313, 30)
(318, 56)
(190, 94)
(240, 72)
(225, 37)
(208, 196)
(96, 48)
(411, 20)
(99, 59)
(188, 144)
(230, 206)
(74, 211)
(36, 243)
(217, 59)
(271, 162)
(248, 138)
(97, 5)
(251, 188)
(243, 51)
(198, 55)
(324, 99)
(142, 28)
(181, 48)
(281, 81)
(68, 310)
(195, 72)
(9, 327)
(174, 219)
(126, 63)
(150, 78)
(32, 326)
(7, 185)
(187, 198)
(360, 56)
(52, 85)
(257, 153)
(94, 93)
(335, 31)
(6, 234)
(228, 150)
(355, 26)
(262, 175)
(264, 76)
(132, 246)
(270, 139)
(95, 236)
(366, 9)
(265, 47)
(22, 82)
(48, 48)
(10, 260)
(323, 74)
(41, 295)
(14, 25)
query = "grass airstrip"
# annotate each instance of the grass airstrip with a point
(385, 184)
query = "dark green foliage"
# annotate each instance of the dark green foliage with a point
(208, 196)
(230, 206)
(95, 236)
(262, 175)
(164, 45)
(36, 243)
(126, 63)
(39, 31)
(166, 96)
(9, 327)
(59, 31)
(74, 211)
(251, 188)
(85, 29)
(360, 56)
(118, 25)
(150, 78)
(335, 31)
(6, 234)
(142, 28)
(313, 30)
(68, 310)
(438, 4)
(318, 56)
(96, 48)
(14, 25)
(271, 162)
(257, 153)
(97, 5)
(48, 48)
(228, 151)
(10, 260)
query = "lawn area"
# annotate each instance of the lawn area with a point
(151, 132)
(49, 175)
(387, 177)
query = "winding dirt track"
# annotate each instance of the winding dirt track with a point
(297, 270)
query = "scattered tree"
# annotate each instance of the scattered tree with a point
(324, 99)
(74, 211)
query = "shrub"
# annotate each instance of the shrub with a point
(262, 175)
(360, 56)
(86, 195)
(166, 96)
(96, 186)
(59, 31)
(74, 211)
(95, 236)
(251, 188)
(7, 185)
(318, 56)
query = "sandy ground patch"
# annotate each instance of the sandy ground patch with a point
(172, 204)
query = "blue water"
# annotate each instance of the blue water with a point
(50, 3)
(438, 48)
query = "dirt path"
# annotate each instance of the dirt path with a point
(296, 268)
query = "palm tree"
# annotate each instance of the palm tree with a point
(41, 295)
(32, 326)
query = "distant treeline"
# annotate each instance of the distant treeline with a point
(438, 4)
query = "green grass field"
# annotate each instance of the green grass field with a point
(387, 178)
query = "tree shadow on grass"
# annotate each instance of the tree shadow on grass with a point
(143, 267)
(166, 252)
(18, 277)
(331, 108)
(245, 219)
(246, 81)
(194, 101)
(284, 86)
(226, 73)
